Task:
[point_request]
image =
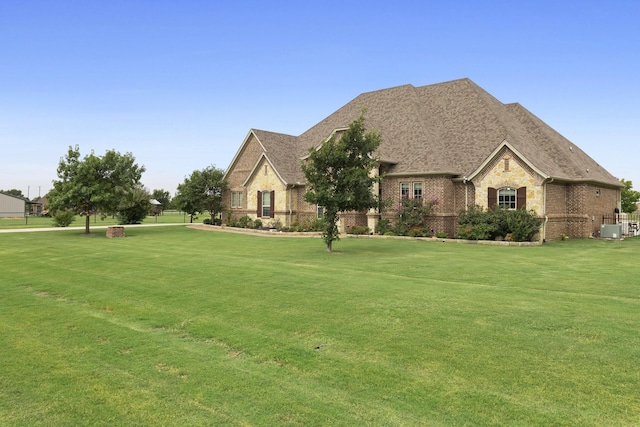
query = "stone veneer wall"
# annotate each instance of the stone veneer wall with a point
(507, 170)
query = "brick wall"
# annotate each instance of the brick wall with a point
(576, 209)
(448, 194)
(245, 162)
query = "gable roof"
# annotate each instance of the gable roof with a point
(21, 198)
(446, 128)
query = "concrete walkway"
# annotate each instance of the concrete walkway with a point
(93, 227)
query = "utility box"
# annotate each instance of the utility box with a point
(611, 231)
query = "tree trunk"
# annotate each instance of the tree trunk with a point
(329, 244)
(87, 220)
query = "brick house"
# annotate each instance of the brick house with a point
(451, 141)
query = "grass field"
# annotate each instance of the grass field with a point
(44, 222)
(175, 326)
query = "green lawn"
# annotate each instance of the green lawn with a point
(43, 222)
(175, 326)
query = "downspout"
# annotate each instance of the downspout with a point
(466, 197)
(544, 208)
(289, 196)
(466, 194)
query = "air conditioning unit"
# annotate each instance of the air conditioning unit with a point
(611, 231)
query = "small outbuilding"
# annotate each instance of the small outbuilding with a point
(12, 206)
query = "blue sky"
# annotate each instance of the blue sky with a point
(180, 83)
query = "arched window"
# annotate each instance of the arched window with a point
(507, 198)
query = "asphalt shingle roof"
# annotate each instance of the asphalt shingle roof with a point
(449, 127)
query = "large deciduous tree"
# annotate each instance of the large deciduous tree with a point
(202, 192)
(94, 183)
(339, 175)
(628, 197)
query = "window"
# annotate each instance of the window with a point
(266, 204)
(404, 190)
(507, 198)
(320, 212)
(236, 199)
(417, 190)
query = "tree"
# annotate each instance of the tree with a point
(134, 206)
(187, 199)
(213, 185)
(628, 197)
(95, 183)
(163, 197)
(13, 192)
(202, 192)
(339, 175)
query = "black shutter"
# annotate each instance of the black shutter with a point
(493, 197)
(259, 209)
(273, 205)
(521, 198)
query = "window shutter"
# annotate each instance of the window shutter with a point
(259, 209)
(273, 205)
(521, 198)
(493, 197)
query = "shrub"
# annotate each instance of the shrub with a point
(417, 232)
(523, 224)
(63, 218)
(257, 223)
(480, 231)
(412, 214)
(277, 224)
(512, 225)
(383, 226)
(134, 206)
(441, 235)
(497, 217)
(316, 225)
(358, 229)
(472, 216)
(244, 221)
(306, 226)
(207, 221)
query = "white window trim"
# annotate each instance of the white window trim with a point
(512, 193)
(413, 185)
(268, 206)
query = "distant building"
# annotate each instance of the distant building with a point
(12, 206)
